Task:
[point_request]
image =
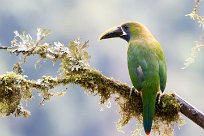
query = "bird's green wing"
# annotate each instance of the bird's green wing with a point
(162, 74)
(136, 66)
(162, 67)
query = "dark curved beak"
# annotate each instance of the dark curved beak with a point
(112, 33)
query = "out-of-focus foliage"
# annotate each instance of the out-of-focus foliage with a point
(194, 14)
(194, 52)
(198, 44)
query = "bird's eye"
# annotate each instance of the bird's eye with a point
(126, 27)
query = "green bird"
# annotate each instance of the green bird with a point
(146, 65)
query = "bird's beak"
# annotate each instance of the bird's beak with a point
(112, 33)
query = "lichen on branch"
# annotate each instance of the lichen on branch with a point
(75, 69)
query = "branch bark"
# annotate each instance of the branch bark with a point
(3, 47)
(191, 112)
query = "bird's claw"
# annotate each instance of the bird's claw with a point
(158, 97)
(131, 91)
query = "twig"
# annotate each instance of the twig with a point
(195, 9)
(191, 112)
(3, 47)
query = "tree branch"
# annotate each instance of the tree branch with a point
(74, 68)
(3, 47)
(191, 112)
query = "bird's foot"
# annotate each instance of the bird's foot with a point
(158, 97)
(131, 91)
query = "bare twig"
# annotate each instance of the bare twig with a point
(191, 112)
(3, 47)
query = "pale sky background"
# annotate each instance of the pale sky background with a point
(77, 114)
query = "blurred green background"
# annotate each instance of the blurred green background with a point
(77, 114)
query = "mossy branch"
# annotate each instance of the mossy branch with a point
(74, 68)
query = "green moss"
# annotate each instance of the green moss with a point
(13, 89)
(168, 108)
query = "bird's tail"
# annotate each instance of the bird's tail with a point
(149, 100)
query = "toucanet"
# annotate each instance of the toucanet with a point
(146, 65)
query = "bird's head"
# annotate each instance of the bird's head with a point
(126, 31)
